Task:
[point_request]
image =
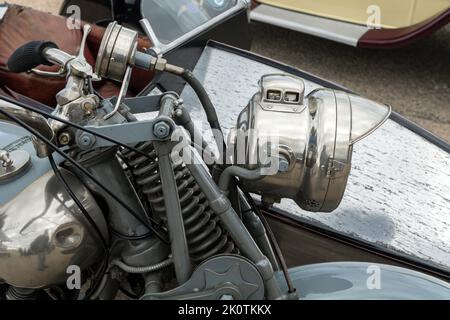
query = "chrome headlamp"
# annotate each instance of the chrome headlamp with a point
(315, 136)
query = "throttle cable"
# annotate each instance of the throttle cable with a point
(273, 240)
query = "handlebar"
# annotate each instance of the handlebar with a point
(36, 53)
(30, 56)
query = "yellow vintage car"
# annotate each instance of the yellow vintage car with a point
(360, 23)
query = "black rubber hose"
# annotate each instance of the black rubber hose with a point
(211, 114)
(203, 96)
(29, 56)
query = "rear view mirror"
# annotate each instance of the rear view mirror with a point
(169, 24)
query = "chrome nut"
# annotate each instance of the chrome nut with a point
(89, 105)
(5, 159)
(161, 130)
(86, 140)
(160, 64)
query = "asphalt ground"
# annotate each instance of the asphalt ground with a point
(415, 80)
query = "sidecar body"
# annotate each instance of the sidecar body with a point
(359, 23)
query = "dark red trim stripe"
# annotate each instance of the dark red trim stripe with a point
(396, 38)
(254, 4)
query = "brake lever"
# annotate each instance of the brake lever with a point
(86, 30)
(78, 63)
(56, 57)
(61, 73)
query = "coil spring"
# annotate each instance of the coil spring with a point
(204, 233)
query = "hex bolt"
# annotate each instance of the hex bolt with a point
(86, 140)
(179, 102)
(88, 107)
(5, 159)
(283, 164)
(64, 138)
(161, 130)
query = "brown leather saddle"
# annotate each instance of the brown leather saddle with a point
(21, 25)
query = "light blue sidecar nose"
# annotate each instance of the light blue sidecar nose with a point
(364, 281)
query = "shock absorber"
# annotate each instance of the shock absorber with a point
(205, 235)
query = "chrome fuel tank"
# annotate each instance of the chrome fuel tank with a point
(43, 232)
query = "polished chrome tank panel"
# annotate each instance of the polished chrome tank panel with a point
(43, 232)
(398, 191)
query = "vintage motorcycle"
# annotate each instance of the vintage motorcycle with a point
(136, 195)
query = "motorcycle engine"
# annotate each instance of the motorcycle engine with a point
(311, 140)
